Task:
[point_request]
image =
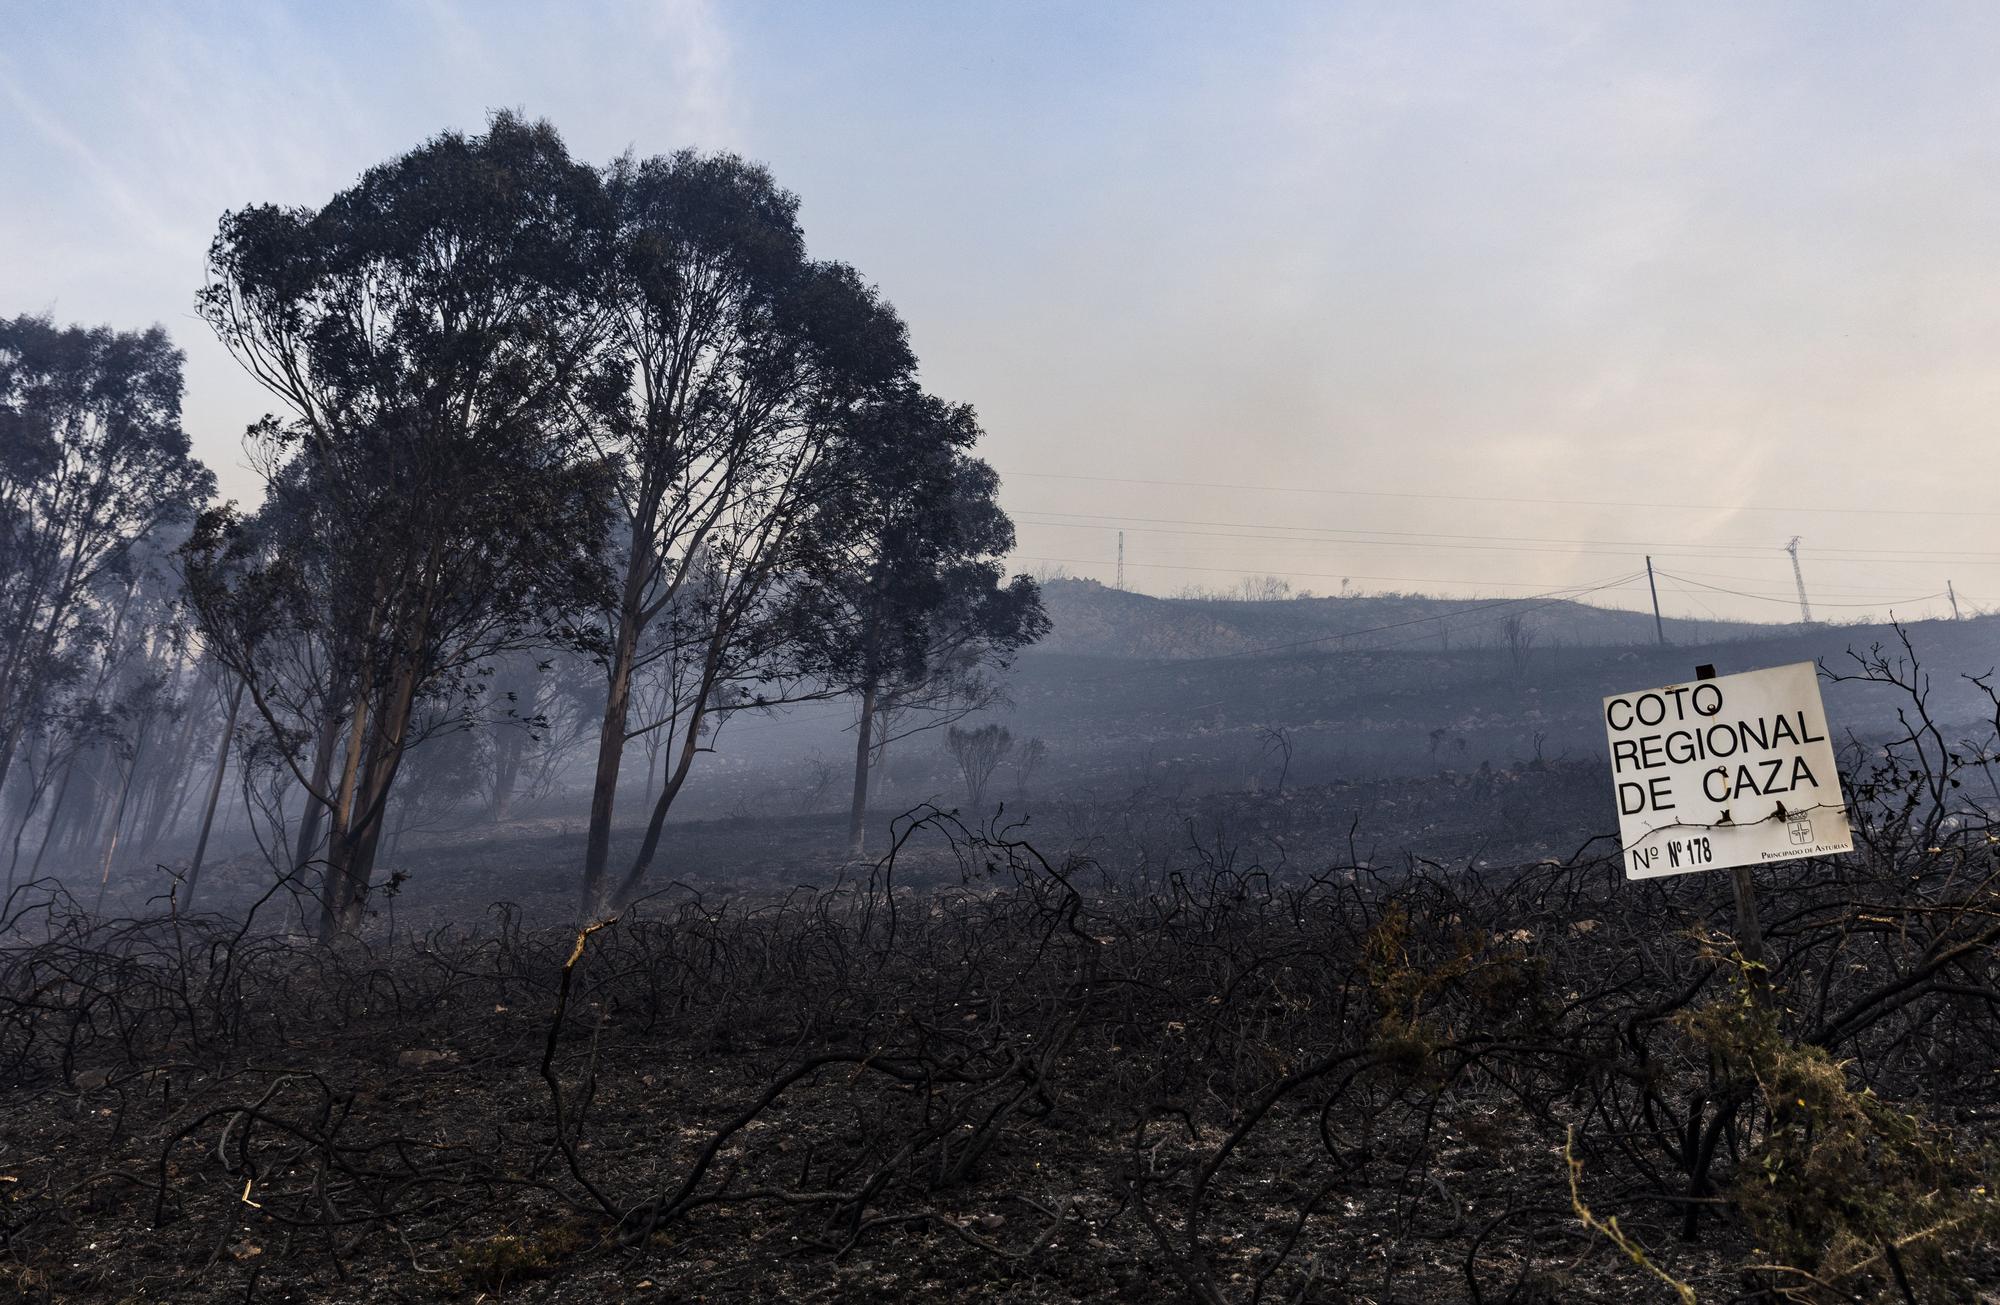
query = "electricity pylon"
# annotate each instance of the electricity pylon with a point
(1805, 608)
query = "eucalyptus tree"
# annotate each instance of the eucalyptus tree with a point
(741, 359)
(93, 459)
(910, 610)
(48, 764)
(146, 683)
(433, 333)
(96, 745)
(542, 711)
(269, 611)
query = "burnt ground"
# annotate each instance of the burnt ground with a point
(1466, 818)
(1218, 1048)
(1046, 1217)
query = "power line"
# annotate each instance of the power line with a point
(1850, 590)
(1699, 601)
(1759, 548)
(1511, 544)
(1310, 575)
(1626, 582)
(1883, 598)
(1791, 600)
(1498, 498)
(1554, 597)
(1533, 607)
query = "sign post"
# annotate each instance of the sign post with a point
(1749, 929)
(1726, 772)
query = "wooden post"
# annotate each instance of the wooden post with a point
(1749, 929)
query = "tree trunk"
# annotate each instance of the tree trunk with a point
(522, 684)
(158, 793)
(339, 850)
(611, 749)
(117, 820)
(84, 829)
(214, 794)
(175, 795)
(395, 847)
(314, 813)
(35, 794)
(55, 815)
(14, 722)
(649, 846)
(506, 772)
(9, 733)
(864, 743)
(385, 758)
(690, 745)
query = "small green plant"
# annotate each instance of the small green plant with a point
(1844, 1191)
(1405, 1037)
(1429, 995)
(491, 1263)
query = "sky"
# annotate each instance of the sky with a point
(1480, 300)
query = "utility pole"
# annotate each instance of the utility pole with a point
(1121, 559)
(1952, 594)
(1659, 626)
(1805, 608)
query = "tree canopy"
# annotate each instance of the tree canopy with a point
(434, 333)
(93, 460)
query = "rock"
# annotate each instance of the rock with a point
(423, 1058)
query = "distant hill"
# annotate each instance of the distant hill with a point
(1093, 620)
(1358, 712)
(1250, 713)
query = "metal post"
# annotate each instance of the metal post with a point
(1799, 576)
(1659, 627)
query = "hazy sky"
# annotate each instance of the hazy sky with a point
(1697, 273)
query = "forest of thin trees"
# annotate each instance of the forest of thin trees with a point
(565, 466)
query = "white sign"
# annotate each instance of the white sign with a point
(1736, 770)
